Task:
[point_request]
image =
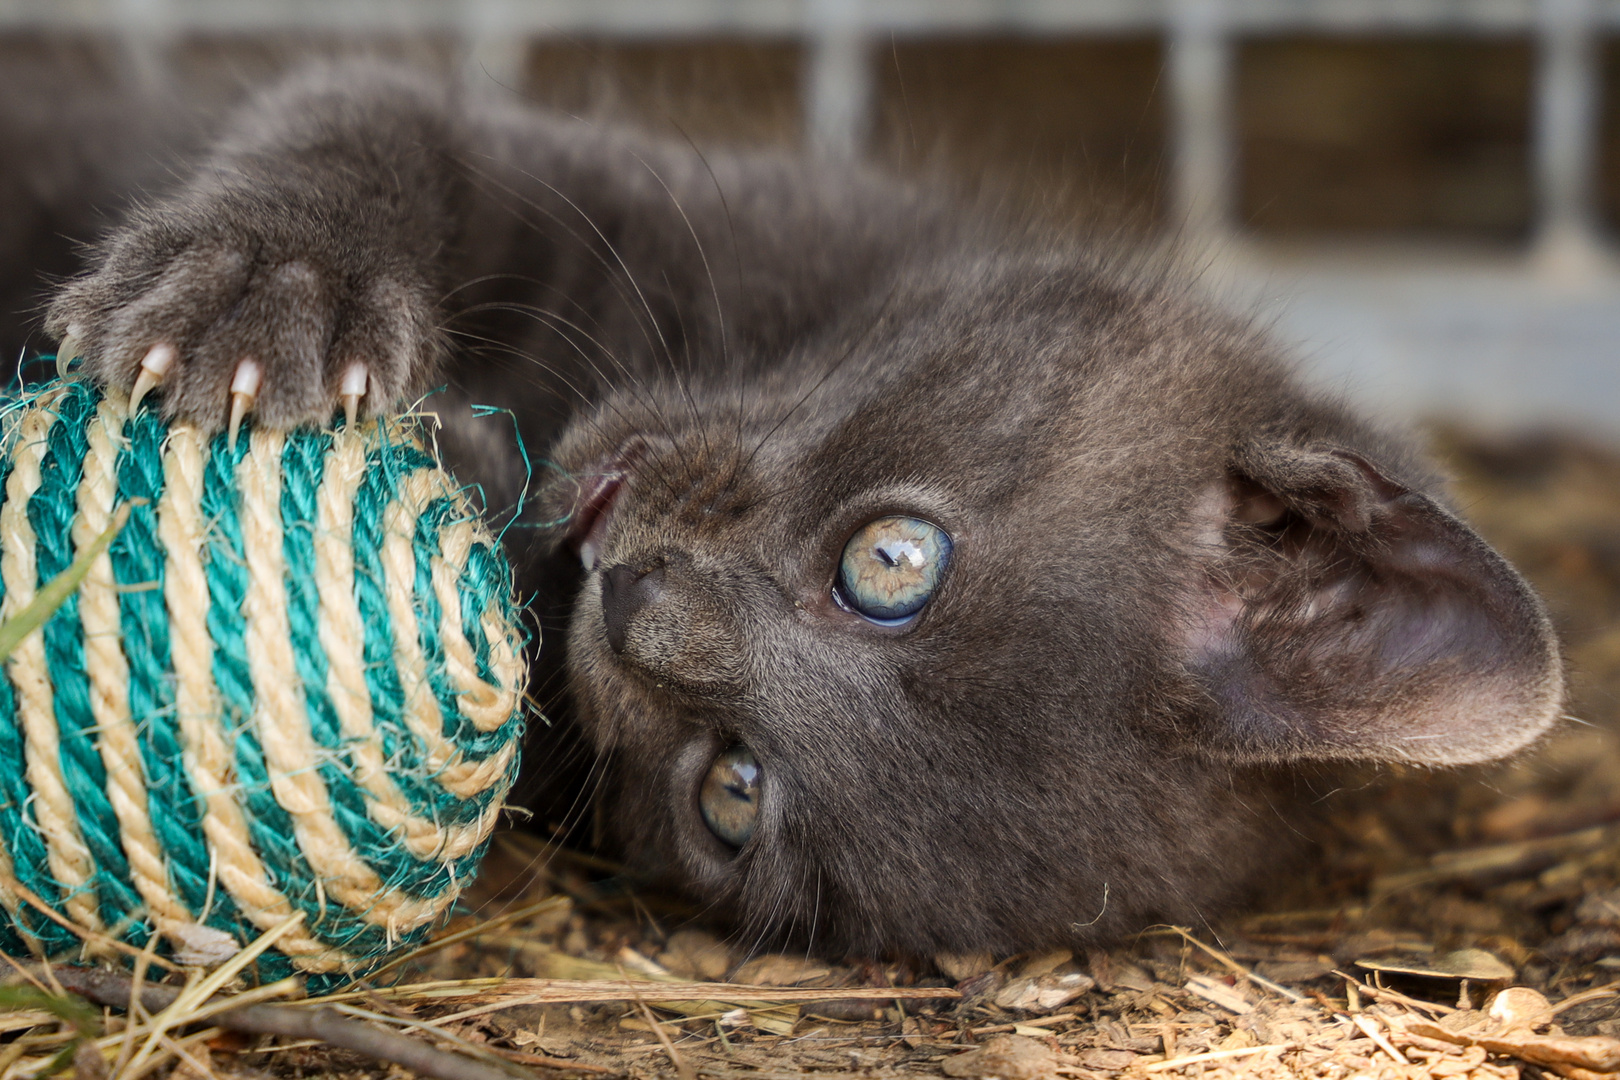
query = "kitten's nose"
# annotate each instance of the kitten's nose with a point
(625, 591)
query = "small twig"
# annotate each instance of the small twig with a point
(508, 992)
(1328, 1005)
(1213, 1055)
(1237, 968)
(324, 1024)
(1370, 1029)
(327, 1025)
(1039, 1021)
(545, 1061)
(1596, 992)
(1384, 993)
(683, 1068)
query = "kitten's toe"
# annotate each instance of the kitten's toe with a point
(154, 367)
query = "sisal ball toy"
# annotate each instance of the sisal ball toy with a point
(290, 685)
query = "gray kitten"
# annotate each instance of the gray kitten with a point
(929, 585)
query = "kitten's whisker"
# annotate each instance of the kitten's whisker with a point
(495, 349)
(815, 918)
(833, 369)
(613, 281)
(584, 418)
(714, 290)
(586, 795)
(736, 256)
(766, 922)
(618, 281)
(554, 322)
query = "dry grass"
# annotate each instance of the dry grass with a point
(1380, 959)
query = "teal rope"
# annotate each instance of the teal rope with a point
(51, 512)
(476, 744)
(137, 559)
(270, 825)
(485, 577)
(18, 830)
(386, 470)
(303, 460)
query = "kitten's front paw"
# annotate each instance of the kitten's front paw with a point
(223, 321)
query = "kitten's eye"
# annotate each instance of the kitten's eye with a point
(892, 566)
(730, 796)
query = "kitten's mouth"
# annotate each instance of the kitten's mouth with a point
(593, 510)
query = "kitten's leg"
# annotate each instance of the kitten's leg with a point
(297, 270)
(350, 217)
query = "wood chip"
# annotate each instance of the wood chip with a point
(1213, 990)
(1044, 963)
(960, 967)
(696, 954)
(1006, 1057)
(1213, 1055)
(1598, 1053)
(1519, 1006)
(1042, 994)
(1461, 964)
(774, 969)
(1108, 1060)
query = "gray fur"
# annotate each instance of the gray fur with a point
(1179, 579)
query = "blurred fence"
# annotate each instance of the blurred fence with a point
(1515, 337)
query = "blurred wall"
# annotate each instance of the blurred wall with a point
(1367, 136)
(1337, 136)
(1420, 147)
(1362, 136)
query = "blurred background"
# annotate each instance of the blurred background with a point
(1420, 193)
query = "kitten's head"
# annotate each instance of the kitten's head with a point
(987, 624)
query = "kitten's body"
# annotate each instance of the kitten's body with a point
(1174, 572)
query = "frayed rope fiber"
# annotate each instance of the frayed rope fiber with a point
(292, 684)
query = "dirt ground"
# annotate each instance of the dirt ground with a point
(1429, 896)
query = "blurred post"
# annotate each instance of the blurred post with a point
(1201, 146)
(1565, 139)
(838, 79)
(492, 52)
(146, 30)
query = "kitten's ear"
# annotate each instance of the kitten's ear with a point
(1341, 615)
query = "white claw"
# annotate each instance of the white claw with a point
(154, 366)
(352, 391)
(244, 388)
(67, 352)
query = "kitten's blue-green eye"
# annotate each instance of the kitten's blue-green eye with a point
(730, 795)
(892, 566)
